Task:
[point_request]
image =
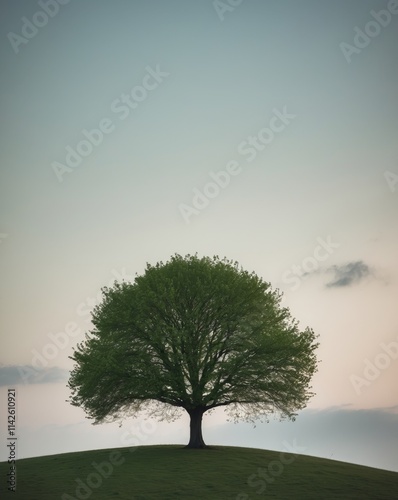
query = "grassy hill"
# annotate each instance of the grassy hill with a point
(172, 472)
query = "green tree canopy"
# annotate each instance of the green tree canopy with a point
(193, 334)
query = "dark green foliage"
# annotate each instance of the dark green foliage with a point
(194, 334)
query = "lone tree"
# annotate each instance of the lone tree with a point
(193, 334)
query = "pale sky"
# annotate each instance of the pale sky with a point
(291, 106)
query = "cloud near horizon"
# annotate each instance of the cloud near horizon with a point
(13, 375)
(334, 432)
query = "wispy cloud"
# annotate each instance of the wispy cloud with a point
(348, 274)
(345, 275)
(13, 375)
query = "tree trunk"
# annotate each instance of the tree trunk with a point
(196, 438)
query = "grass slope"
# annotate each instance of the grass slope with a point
(172, 472)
